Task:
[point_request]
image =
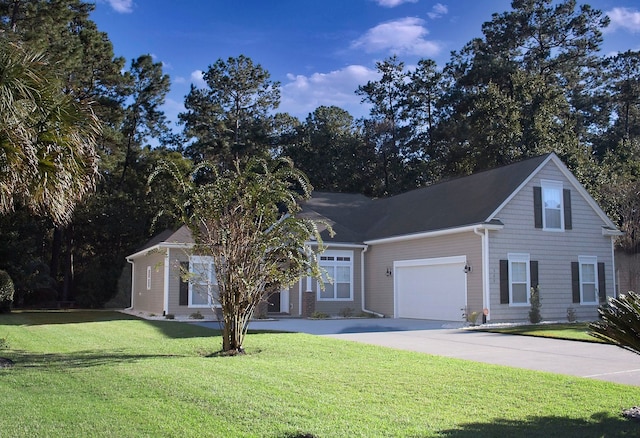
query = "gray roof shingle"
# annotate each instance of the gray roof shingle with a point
(452, 203)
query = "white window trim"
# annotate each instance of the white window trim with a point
(588, 260)
(148, 277)
(549, 184)
(210, 281)
(519, 258)
(336, 263)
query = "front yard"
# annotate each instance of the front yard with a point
(106, 374)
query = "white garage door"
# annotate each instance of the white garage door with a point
(431, 288)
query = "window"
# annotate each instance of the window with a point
(552, 198)
(519, 279)
(338, 279)
(203, 284)
(588, 279)
(148, 277)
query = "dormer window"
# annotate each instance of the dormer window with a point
(552, 206)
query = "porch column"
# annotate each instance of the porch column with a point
(308, 300)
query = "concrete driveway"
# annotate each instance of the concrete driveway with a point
(582, 359)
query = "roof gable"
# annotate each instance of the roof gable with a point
(181, 236)
(452, 203)
(553, 159)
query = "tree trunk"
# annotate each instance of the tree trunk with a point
(67, 287)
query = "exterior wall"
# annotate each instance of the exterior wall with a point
(627, 272)
(330, 307)
(379, 292)
(177, 255)
(554, 252)
(143, 299)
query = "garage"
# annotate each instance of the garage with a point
(431, 288)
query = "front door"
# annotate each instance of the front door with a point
(274, 303)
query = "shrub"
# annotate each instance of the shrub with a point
(571, 314)
(6, 292)
(170, 316)
(319, 315)
(619, 322)
(534, 312)
(346, 312)
(196, 315)
(470, 317)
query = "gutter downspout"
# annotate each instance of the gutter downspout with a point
(486, 296)
(364, 310)
(167, 258)
(613, 266)
(133, 268)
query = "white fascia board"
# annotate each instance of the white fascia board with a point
(585, 194)
(159, 247)
(612, 232)
(336, 245)
(444, 232)
(517, 190)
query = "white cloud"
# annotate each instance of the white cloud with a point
(393, 3)
(403, 36)
(624, 18)
(197, 78)
(122, 6)
(438, 11)
(301, 95)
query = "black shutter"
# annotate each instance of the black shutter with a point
(504, 281)
(183, 299)
(533, 272)
(602, 284)
(537, 207)
(567, 209)
(575, 281)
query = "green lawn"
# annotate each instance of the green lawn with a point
(103, 374)
(576, 331)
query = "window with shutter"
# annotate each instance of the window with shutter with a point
(516, 279)
(585, 280)
(183, 287)
(552, 206)
(203, 287)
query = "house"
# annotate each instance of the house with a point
(473, 245)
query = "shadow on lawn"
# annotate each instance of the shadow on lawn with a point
(78, 359)
(48, 317)
(602, 425)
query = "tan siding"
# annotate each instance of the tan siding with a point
(554, 252)
(380, 257)
(149, 300)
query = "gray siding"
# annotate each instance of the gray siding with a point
(143, 299)
(554, 252)
(379, 291)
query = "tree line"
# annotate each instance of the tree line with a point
(535, 81)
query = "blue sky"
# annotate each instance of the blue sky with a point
(319, 50)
